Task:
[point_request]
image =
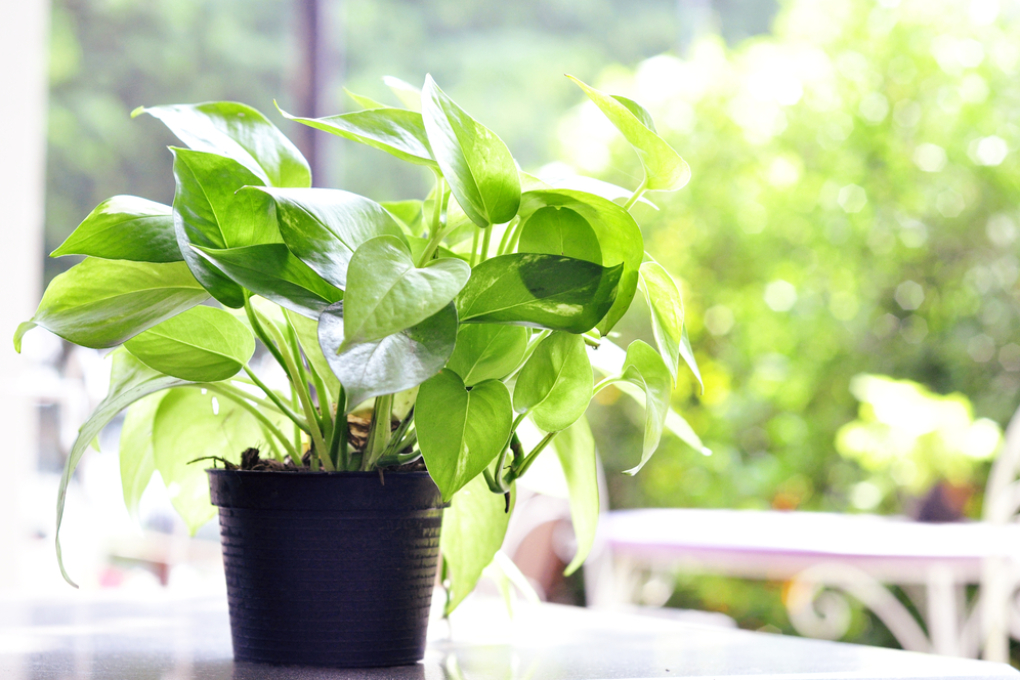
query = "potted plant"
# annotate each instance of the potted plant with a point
(414, 338)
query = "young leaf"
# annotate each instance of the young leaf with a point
(102, 303)
(239, 132)
(644, 368)
(665, 170)
(398, 132)
(272, 271)
(136, 460)
(324, 227)
(203, 344)
(618, 235)
(560, 231)
(408, 94)
(190, 424)
(460, 431)
(667, 308)
(475, 162)
(125, 228)
(575, 447)
(392, 364)
(408, 214)
(363, 101)
(555, 385)
(473, 530)
(538, 290)
(487, 351)
(386, 293)
(130, 380)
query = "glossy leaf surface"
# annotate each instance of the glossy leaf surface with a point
(460, 431)
(487, 351)
(398, 132)
(667, 310)
(203, 344)
(324, 227)
(555, 385)
(125, 228)
(135, 451)
(239, 132)
(386, 293)
(392, 364)
(130, 380)
(619, 238)
(575, 448)
(102, 303)
(473, 530)
(665, 170)
(560, 231)
(272, 271)
(475, 162)
(644, 368)
(538, 290)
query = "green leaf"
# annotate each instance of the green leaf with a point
(136, 459)
(125, 228)
(130, 380)
(308, 337)
(398, 132)
(190, 424)
(575, 447)
(460, 430)
(363, 101)
(203, 344)
(208, 213)
(102, 303)
(560, 231)
(607, 190)
(555, 385)
(19, 333)
(392, 364)
(667, 309)
(688, 356)
(408, 214)
(485, 351)
(239, 132)
(272, 271)
(665, 170)
(324, 227)
(473, 530)
(644, 368)
(408, 94)
(538, 290)
(476, 163)
(386, 293)
(619, 238)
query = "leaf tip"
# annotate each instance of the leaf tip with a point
(23, 328)
(138, 110)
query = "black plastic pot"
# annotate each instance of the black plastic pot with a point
(328, 569)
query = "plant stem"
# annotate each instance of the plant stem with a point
(379, 431)
(338, 440)
(435, 230)
(637, 194)
(259, 415)
(261, 332)
(519, 471)
(485, 243)
(590, 341)
(510, 228)
(324, 421)
(474, 248)
(275, 399)
(604, 383)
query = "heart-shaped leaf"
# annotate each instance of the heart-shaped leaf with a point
(130, 380)
(324, 227)
(102, 303)
(538, 290)
(665, 170)
(398, 132)
(392, 364)
(239, 132)
(125, 228)
(473, 530)
(575, 447)
(560, 231)
(208, 213)
(460, 430)
(272, 271)
(135, 451)
(386, 293)
(555, 385)
(475, 162)
(619, 238)
(203, 344)
(644, 368)
(667, 308)
(485, 351)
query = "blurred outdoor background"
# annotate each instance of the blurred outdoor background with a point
(853, 214)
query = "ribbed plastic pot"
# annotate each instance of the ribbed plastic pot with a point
(328, 569)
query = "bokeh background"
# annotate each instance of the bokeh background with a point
(853, 213)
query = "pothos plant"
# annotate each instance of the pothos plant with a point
(405, 332)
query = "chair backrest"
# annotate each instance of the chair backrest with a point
(1002, 492)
